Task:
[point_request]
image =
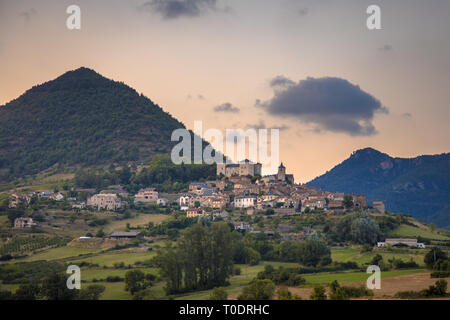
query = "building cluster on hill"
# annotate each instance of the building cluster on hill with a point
(239, 187)
(18, 199)
(240, 190)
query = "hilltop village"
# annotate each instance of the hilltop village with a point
(239, 190)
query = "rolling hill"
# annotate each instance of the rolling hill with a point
(419, 186)
(80, 118)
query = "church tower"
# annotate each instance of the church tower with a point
(281, 175)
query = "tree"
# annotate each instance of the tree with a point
(92, 292)
(134, 281)
(433, 256)
(336, 292)
(348, 201)
(218, 293)
(203, 259)
(27, 292)
(358, 227)
(253, 257)
(15, 213)
(172, 234)
(54, 287)
(376, 259)
(314, 251)
(441, 287)
(285, 294)
(100, 233)
(258, 290)
(318, 293)
(5, 295)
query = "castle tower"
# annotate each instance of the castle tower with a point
(281, 175)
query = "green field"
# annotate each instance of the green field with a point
(98, 273)
(139, 220)
(114, 291)
(110, 258)
(354, 254)
(59, 253)
(345, 277)
(407, 231)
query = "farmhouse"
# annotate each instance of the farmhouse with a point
(24, 223)
(149, 195)
(401, 241)
(108, 201)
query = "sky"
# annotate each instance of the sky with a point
(311, 68)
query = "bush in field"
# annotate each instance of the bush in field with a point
(285, 294)
(318, 293)
(54, 287)
(253, 257)
(310, 252)
(440, 274)
(236, 270)
(218, 294)
(283, 276)
(258, 290)
(92, 292)
(435, 258)
(114, 279)
(135, 281)
(29, 291)
(400, 264)
(337, 292)
(5, 295)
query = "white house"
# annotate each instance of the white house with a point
(245, 201)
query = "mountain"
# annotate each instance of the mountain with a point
(80, 118)
(419, 186)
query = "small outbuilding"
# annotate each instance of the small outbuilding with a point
(125, 235)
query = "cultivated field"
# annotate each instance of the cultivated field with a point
(407, 231)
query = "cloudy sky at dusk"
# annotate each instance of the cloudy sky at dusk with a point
(311, 68)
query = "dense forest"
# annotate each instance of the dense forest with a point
(80, 118)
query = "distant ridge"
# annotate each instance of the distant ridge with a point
(80, 118)
(419, 186)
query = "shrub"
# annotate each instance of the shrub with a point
(236, 270)
(218, 294)
(440, 274)
(258, 290)
(285, 294)
(318, 293)
(114, 279)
